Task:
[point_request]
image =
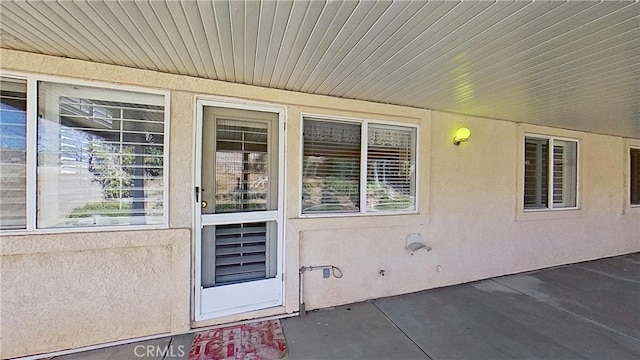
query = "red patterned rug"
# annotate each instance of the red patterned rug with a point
(255, 341)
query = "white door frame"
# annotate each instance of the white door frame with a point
(201, 102)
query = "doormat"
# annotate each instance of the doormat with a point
(255, 341)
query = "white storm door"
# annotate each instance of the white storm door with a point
(239, 211)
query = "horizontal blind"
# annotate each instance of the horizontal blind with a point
(564, 173)
(100, 162)
(558, 175)
(331, 166)
(390, 168)
(13, 153)
(536, 152)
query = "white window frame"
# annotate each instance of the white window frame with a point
(550, 204)
(364, 126)
(31, 142)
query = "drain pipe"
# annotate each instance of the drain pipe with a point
(302, 310)
(333, 269)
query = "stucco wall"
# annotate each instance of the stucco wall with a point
(63, 291)
(118, 285)
(473, 220)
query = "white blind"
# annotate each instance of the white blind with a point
(390, 168)
(536, 154)
(13, 154)
(100, 162)
(558, 177)
(564, 173)
(331, 166)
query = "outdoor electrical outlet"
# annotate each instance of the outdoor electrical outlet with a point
(325, 273)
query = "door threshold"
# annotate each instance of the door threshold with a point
(204, 325)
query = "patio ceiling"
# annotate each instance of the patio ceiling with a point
(568, 64)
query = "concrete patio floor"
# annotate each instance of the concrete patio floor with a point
(588, 310)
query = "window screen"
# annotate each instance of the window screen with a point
(390, 168)
(242, 166)
(331, 167)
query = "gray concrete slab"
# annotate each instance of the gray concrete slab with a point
(625, 267)
(610, 301)
(633, 256)
(582, 311)
(487, 320)
(175, 347)
(357, 331)
(140, 350)
(180, 346)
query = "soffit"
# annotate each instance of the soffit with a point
(568, 64)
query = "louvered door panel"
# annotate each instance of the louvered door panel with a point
(240, 252)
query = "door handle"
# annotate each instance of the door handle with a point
(204, 204)
(198, 190)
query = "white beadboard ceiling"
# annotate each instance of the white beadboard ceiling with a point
(569, 64)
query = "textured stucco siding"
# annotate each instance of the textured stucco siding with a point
(62, 291)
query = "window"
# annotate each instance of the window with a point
(243, 166)
(333, 180)
(550, 173)
(390, 168)
(634, 176)
(99, 157)
(13, 153)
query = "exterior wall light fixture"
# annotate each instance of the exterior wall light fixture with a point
(462, 135)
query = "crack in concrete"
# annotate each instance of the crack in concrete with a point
(399, 328)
